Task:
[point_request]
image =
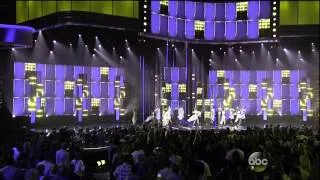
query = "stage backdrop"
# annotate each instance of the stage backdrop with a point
(231, 21)
(46, 90)
(280, 92)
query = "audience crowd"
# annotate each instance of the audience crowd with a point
(146, 153)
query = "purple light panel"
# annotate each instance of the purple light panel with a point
(253, 10)
(190, 8)
(231, 13)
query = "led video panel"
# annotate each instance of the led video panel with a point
(230, 21)
(279, 92)
(49, 90)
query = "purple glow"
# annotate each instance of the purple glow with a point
(95, 74)
(182, 75)
(164, 25)
(181, 9)
(244, 93)
(261, 75)
(41, 73)
(199, 15)
(59, 89)
(229, 76)
(19, 70)
(189, 29)
(49, 105)
(220, 11)
(18, 106)
(95, 90)
(265, 10)
(181, 28)
(50, 72)
(112, 74)
(209, 30)
(107, 90)
(69, 73)
(253, 30)
(59, 72)
(172, 27)
(294, 106)
(59, 106)
(220, 30)
(117, 114)
(190, 10)
(174, 75)
(253, 76)
(294, 77)
(69, 105)
(77, 70)
(294, 94)
(106, 106)
(175, 91)
(209, 11)
(230, 30)
(155, 23)
(172, 8)
(18, 27)
(285, 92)
(50, 89)
(18, 88)
(244, 77)
(231, 13)
(277, 77)
(10, 36)
(241, 30)
(253, 10)
(213, 77)
(155, 6)
(277, 91)
(174, 104)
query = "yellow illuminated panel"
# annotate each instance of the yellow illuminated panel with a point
(104, 70)
(95, 102)
(85, 112)
(164, 2)
(122, 112)
(43, 102)
(168, 88)
(199, 102)
(117, 103)
(30, 67)
(277, 103)
(199, 90)
(122, 93)
(269, 93)
(225, 85)
(264, 103)
(39, 90)
(207, 114)
(232, 93)
(68, 85)
(39, 113)
(207, 102)
(303, 104)
(32, 80)
(309, 112)
(85, 91)
(182, 88)
(270, 112)
(220, 73)
(309, 93)
(252, 88)
(285, 73)
(264, 23)
(164, 102)
(199, 25)
(32, 104)
(78, 103)
(242, 6)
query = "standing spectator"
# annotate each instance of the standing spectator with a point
(62, 156)
(123, 171)
(47, 164)
(78, 165)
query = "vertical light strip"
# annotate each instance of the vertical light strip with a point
(143, 87)
(167, 54)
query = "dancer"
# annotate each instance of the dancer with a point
(180, 113)
(223, 117)
(231, 114)
(150, 118)
(195, 117)
(166, 117)
(213, 114)
(134, 117)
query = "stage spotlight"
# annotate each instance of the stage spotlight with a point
(93, 55)
(144, 30)
(96, 37)
(192, 50)
(128, 48)
(252, 52)
(236, 60)
(94, 49)
(114, 48)
(51, 52)
(35, 40)
(99, 45)
(120, 57)
(274, 8)
(284, 49)
(158, 48)
(224, 52)
(210, 60)
(274, 13)
(40, 31)
(220, 48)
(232, 47)
(172, 45)
(301, 59)
(274, 2)
(70, 44)
(145, 24)
(211, 52)
(54, 41)
(274, 29)
(145, 6)
(274, 35)
(313, 50)
(240, 50)
(12, 49)
(47, 115)
(312, 43)
(277, 59)
(126, 40)
(13, 115)
(299, 51)
(261, 44)
(79, 35)
(86, 45)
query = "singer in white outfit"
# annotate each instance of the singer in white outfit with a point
(166, 117)
(195, 117)
(223, 117)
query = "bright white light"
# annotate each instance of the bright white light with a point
(40, 31)
(99, 45)
(70, 44)
(274, 24)
(128, 48)
(144, 30)
(274, 35)
(54, 41)
(93, 55)
(51, 52)
(252, 52)
(145, 12)
(145, 23)
(96, 37)
(301, 59)
(236, 60)
(145, 6)
(274, 29)
(299, 51)
(191, 49)
(120, 57)
(313, 50)
(274, 2)
(12, 49)
(13, 115)
(240, 50)
(145, 18)
(274, 8)
(47, 115)
(224, 52)
(94, 49)
(277, 59)
(210, 60)
(114, 48)
(35, 40)
(274, 19)
(126, 40)
(100, 114)
(86, 45)
(284, 49)
(220, 48)
(158, 48)
(274, 13)
(79, 35)
(211, 51)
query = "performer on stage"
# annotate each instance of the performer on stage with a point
(134, 117)
(223, 117)
(195, 117)
(213, 115)
(150, 118)
(180, 113)
(166, 117)
(231, 114)
(219, 115)
(157, 114)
